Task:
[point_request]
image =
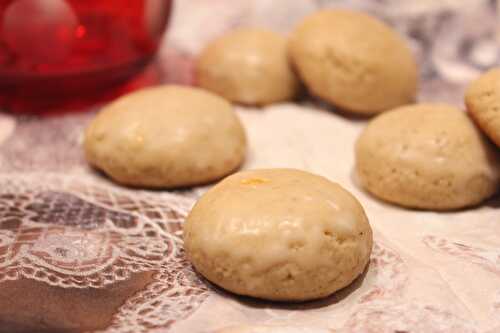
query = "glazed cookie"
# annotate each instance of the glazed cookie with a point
(278, 234)
(165, 137)
(354, 61)
(426, 156)
(248, 66)
(483, 103)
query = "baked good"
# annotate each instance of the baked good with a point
(354, 61)
(278, 234)
(427, 156)
(166, 137)
(248, 66)
(483, 103)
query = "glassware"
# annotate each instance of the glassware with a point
(66, 52)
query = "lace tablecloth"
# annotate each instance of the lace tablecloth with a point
(66, 227)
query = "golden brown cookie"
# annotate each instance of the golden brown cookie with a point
(427, 156)
(248, 66)
(278, 234)
(165, 137)
(354, 61)
(483, 103)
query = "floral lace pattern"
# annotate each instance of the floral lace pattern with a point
(71, 232)
(487, 259)
(389, 317)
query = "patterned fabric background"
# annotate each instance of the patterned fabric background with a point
(77, 252)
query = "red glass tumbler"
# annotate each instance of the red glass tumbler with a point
(54, 52)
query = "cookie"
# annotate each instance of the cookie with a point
(483, 103)
(166, 137)
(354, 61)
(426, 156)
(278, 234)
(248, 66)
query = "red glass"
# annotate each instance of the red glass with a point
(58, 51)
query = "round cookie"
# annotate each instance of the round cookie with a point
(354, 61)
(248, 66)
(278, 234)
(166, 137)
(426, 156)
(483, 103)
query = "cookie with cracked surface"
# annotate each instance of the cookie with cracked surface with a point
(426, 156)
(483, 103)
(166, 137)
(354, 61)
(278, 234)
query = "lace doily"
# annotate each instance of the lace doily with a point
(72, 232)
